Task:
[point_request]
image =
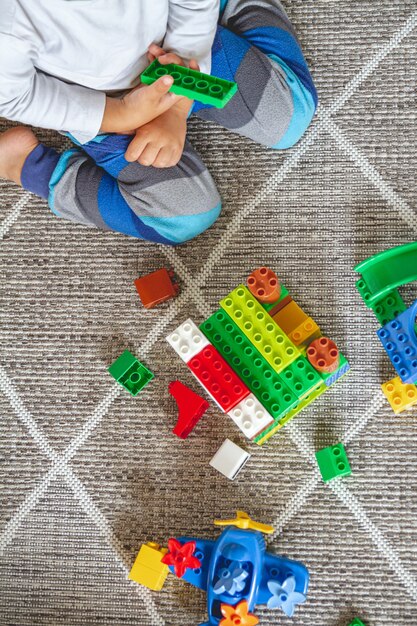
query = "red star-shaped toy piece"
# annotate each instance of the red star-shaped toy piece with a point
(180, 556)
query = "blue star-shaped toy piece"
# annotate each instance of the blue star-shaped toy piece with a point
(231, 579)
(284, 595)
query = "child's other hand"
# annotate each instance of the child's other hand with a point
(156, 52)
(160, 142)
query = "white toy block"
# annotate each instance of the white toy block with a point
(187, 340)
(229, 459)
(250, 416)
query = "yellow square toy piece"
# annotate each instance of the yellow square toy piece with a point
(147, 569)
(400, 396)
(304, 334)
(290, 317)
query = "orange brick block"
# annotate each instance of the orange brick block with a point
(400, 396)
(324, 355)
(304, 334)
(290, 317)
(264, 285)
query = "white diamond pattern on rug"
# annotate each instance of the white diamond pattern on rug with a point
(107, 474)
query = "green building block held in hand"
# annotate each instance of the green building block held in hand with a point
(130, 373)
(192, 84)
(333, 462)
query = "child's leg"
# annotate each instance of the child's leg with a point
(257, 47)
(96, 186)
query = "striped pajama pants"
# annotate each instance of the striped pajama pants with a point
(93, 184)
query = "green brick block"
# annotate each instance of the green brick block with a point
(301, 377)
(389, 307)
(333, 462)
(257, 374)
(192, 84)
(270, 305)
(278, 424)
(130, 373)
(356, 622)
(260, 328)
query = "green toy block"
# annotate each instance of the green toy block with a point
(387, 309)
(130, 373)
(356, 622)
(263, 332)
(333, 462)
(270, 305)
(272, 429)
(192, 84)
(268, 387)
(301, 377)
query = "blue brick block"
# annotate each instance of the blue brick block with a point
(400, 342)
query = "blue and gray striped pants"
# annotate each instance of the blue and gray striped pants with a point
(93, 184)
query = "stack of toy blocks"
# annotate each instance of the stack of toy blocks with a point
(260, 357)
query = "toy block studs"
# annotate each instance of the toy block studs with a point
(333, 462)
(187, 340)
(306, 332)
(156, 287)
(263, 283)
(148, 569)
(130, 373)
(400, 342)
(400, 396)
(191, 408)
(250, 416)
(323, 355)
(229, 459)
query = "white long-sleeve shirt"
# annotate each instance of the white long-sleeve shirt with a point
(59, 57)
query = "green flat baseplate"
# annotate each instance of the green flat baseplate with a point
(130, 373)
(192, 84)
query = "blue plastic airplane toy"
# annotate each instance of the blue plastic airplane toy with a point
(237, 573)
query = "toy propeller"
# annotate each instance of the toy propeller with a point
(244, 522)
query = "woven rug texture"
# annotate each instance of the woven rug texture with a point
(88, 473)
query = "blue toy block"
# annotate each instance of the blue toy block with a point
(400, 342)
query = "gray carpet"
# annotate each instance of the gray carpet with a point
(88, 473)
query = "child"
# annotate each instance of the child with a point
(64, 65)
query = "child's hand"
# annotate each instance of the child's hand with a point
(156, 52)
(160, 142)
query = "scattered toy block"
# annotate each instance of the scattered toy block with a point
(250, 416)
(356, 622)
(229, 459)
(333, 462)
(264, 285)
(290, 317)
(218, 378)
(389, 307)
(400, 396)
(148, 570)
(249, 364)
(344, 367)
(301, 377)
(323, 355)
(278, 424)
(192, 83)
(130, 373)
(156, 287)
(260, 328)
(400, 342)
(190, 405)
(305, 333)
(187, 340)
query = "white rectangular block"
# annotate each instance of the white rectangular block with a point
(229, 459)
(187, 340)
(250, 416)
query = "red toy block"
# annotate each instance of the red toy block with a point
(156, 287)
(264, 285)
(323, 355)
(191, 407)
(224, 386)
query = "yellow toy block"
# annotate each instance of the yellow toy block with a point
(147, 569)
(290, 317)
(305, 333)
(400, 396)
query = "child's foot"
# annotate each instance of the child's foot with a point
(15, 145)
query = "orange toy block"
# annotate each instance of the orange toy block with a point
(290, 317)
(323, 355)
(400, 396)
(264, 285)
(281, 304)
(156, 287)
(305, 333)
